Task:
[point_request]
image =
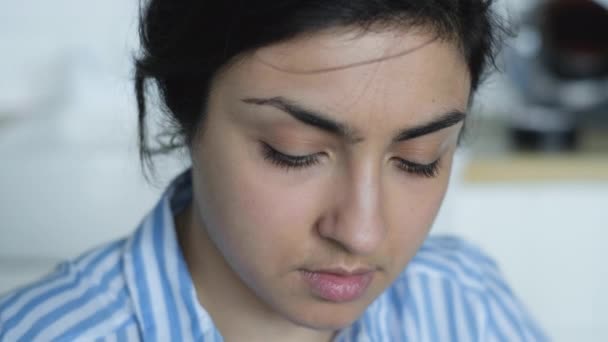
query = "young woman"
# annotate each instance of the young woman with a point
(321, 135)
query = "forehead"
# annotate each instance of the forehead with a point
(340, 48)
(355, 75)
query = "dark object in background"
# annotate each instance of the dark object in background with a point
(576, 39)
(559, 62)
(549, 141)
(547, 129)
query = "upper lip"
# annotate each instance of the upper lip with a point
(343, 271)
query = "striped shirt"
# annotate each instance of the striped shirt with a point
(139, 288)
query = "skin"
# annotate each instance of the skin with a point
(253, 226)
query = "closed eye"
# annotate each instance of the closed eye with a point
(425, 170)
(287, 161)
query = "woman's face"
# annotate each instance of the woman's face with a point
(321, 165)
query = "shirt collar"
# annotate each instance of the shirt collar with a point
(163, 294)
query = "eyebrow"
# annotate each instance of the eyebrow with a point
(323, 122)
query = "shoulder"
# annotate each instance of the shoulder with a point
(452, 289)
(84, 297)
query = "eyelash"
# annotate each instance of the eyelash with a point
(424, 170)
(287, 162)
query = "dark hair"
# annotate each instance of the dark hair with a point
(184, 43)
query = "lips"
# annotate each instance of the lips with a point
(338, 285)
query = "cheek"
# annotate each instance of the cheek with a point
(254, 219)
(412, 208)
(278, 215)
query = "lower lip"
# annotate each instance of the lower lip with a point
(336, 287)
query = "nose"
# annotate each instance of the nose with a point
(354, 218)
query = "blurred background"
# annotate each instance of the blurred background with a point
(530, 184)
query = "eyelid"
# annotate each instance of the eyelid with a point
(287, 161)
(288, 155)
(430, 170)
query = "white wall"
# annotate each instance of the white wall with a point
(69, 173)
(549, 239)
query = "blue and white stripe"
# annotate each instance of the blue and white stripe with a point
(139, 289)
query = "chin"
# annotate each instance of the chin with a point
(328, 316)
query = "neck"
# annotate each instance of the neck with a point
(236, 311)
